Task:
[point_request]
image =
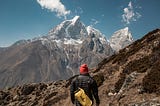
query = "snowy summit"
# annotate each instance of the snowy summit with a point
(121, 39)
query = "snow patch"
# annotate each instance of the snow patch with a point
(73, 41)
(74, 20)
(97, 34)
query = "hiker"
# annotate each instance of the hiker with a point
(87, 83)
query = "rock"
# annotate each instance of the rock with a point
(27, 89)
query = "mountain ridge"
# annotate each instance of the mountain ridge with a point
(127, 78)
(54, 56)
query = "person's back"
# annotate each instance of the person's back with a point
(87, 83)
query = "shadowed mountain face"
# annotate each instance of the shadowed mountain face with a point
(128, 78)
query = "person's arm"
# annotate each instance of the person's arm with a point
(95, 92)
(72, 89)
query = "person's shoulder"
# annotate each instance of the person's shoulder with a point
(91, 79)
(73, 79)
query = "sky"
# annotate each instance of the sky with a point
(26, 19)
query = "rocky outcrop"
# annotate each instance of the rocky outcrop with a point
(34, 94)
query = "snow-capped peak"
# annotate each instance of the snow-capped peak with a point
(69, 29)
(92, 31)
(89, 29)
(126, 29)
(123, 33)
(75, 19)
(121, 39)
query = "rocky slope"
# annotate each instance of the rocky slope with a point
(132, 75)
(128, 78)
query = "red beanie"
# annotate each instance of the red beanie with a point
(83, 69)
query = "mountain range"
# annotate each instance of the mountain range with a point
(128, 78)
(58, 55)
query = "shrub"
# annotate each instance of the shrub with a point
(151, 82)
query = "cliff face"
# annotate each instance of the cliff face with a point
(128, 78)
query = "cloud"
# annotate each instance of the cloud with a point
(54, 6)
(78, 11)
(94, 22)
(102, 15)
(129, 14)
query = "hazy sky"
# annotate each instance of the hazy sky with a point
(26, 19)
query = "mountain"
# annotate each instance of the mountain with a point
(54, 56)
(121, 39)
(69, 29)
(1, 49)
(21, 42)
(127, 78)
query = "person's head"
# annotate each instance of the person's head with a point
(83, 69)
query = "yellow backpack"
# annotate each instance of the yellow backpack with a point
(81, 96)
